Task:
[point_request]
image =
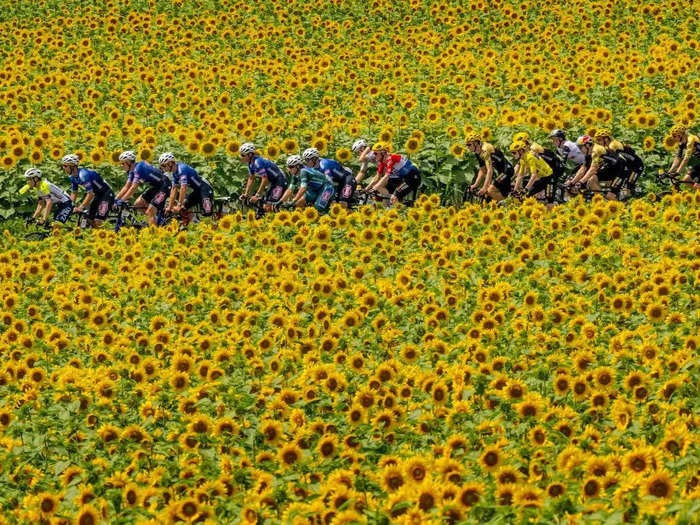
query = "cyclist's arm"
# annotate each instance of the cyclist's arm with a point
(181, 197)
(299, 195)
(39, 205)
(489, 175)
(531, 181)
(579, 174)
(47, 209)
(248, 185)
(676, 163)
(522, 171)
(682, 165)
(125, 189)
(479, 178)
(73, 195)
(130, 190)
(261, 188)
(87, 200)
(287, 194)
(592, 171)
(361, 173)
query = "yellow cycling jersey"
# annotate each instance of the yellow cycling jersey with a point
(690, 148)
(616, 145)
(535, 165)
(486, 151)
(597, 154)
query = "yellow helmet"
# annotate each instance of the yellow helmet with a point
(472, 137)
(381, 146)
(603, 133)
(517, 145)
(678, 129)
(522, 136)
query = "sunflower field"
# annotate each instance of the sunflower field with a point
(429, 365)
(200, 77)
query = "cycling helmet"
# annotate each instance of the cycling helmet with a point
(603, 133)
(472, 137)
(166, 157)
(294, 160)
(246, 148)
(517, 145)
(127, 156)
(381, 146)
(678, 129)
(522, 136)
(310, 154)
(359, 145)
(70, 160)
(583, 140)
(32, 172)
(558, 134)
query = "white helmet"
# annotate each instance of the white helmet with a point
(246, 148)
(70, 160)
(294, 160)
(359, 145)
(127, 156)
(310, 154)
(166, 157)
(32, 172)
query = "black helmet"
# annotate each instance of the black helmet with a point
(558, 133)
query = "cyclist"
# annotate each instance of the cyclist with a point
(598, 167)
(49, 197)
(99, 196)
(567, 149)
(366, 157)
(492, 163)
(634, 166)
(154, 198)
(688, 155)
(341, 176)
(541, 174)
(272, 179)
(308, 186)
(396, 175)
(185, 176)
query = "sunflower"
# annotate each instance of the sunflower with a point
(87, 515)
(427, 496)
(343, 154)
(660, 485)
(457, 150)
(412, 145)
(289, 146)
(48, 504)
(491, 458)
(469, 495)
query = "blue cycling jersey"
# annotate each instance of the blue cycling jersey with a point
(90, 180)
(186, 175)
(262, 167)
(144, 172)
(334, 170)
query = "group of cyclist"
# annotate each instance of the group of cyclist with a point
(591, 160)
(312, 180)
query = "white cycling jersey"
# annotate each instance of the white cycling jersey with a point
(370, 158)
(570, 151)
